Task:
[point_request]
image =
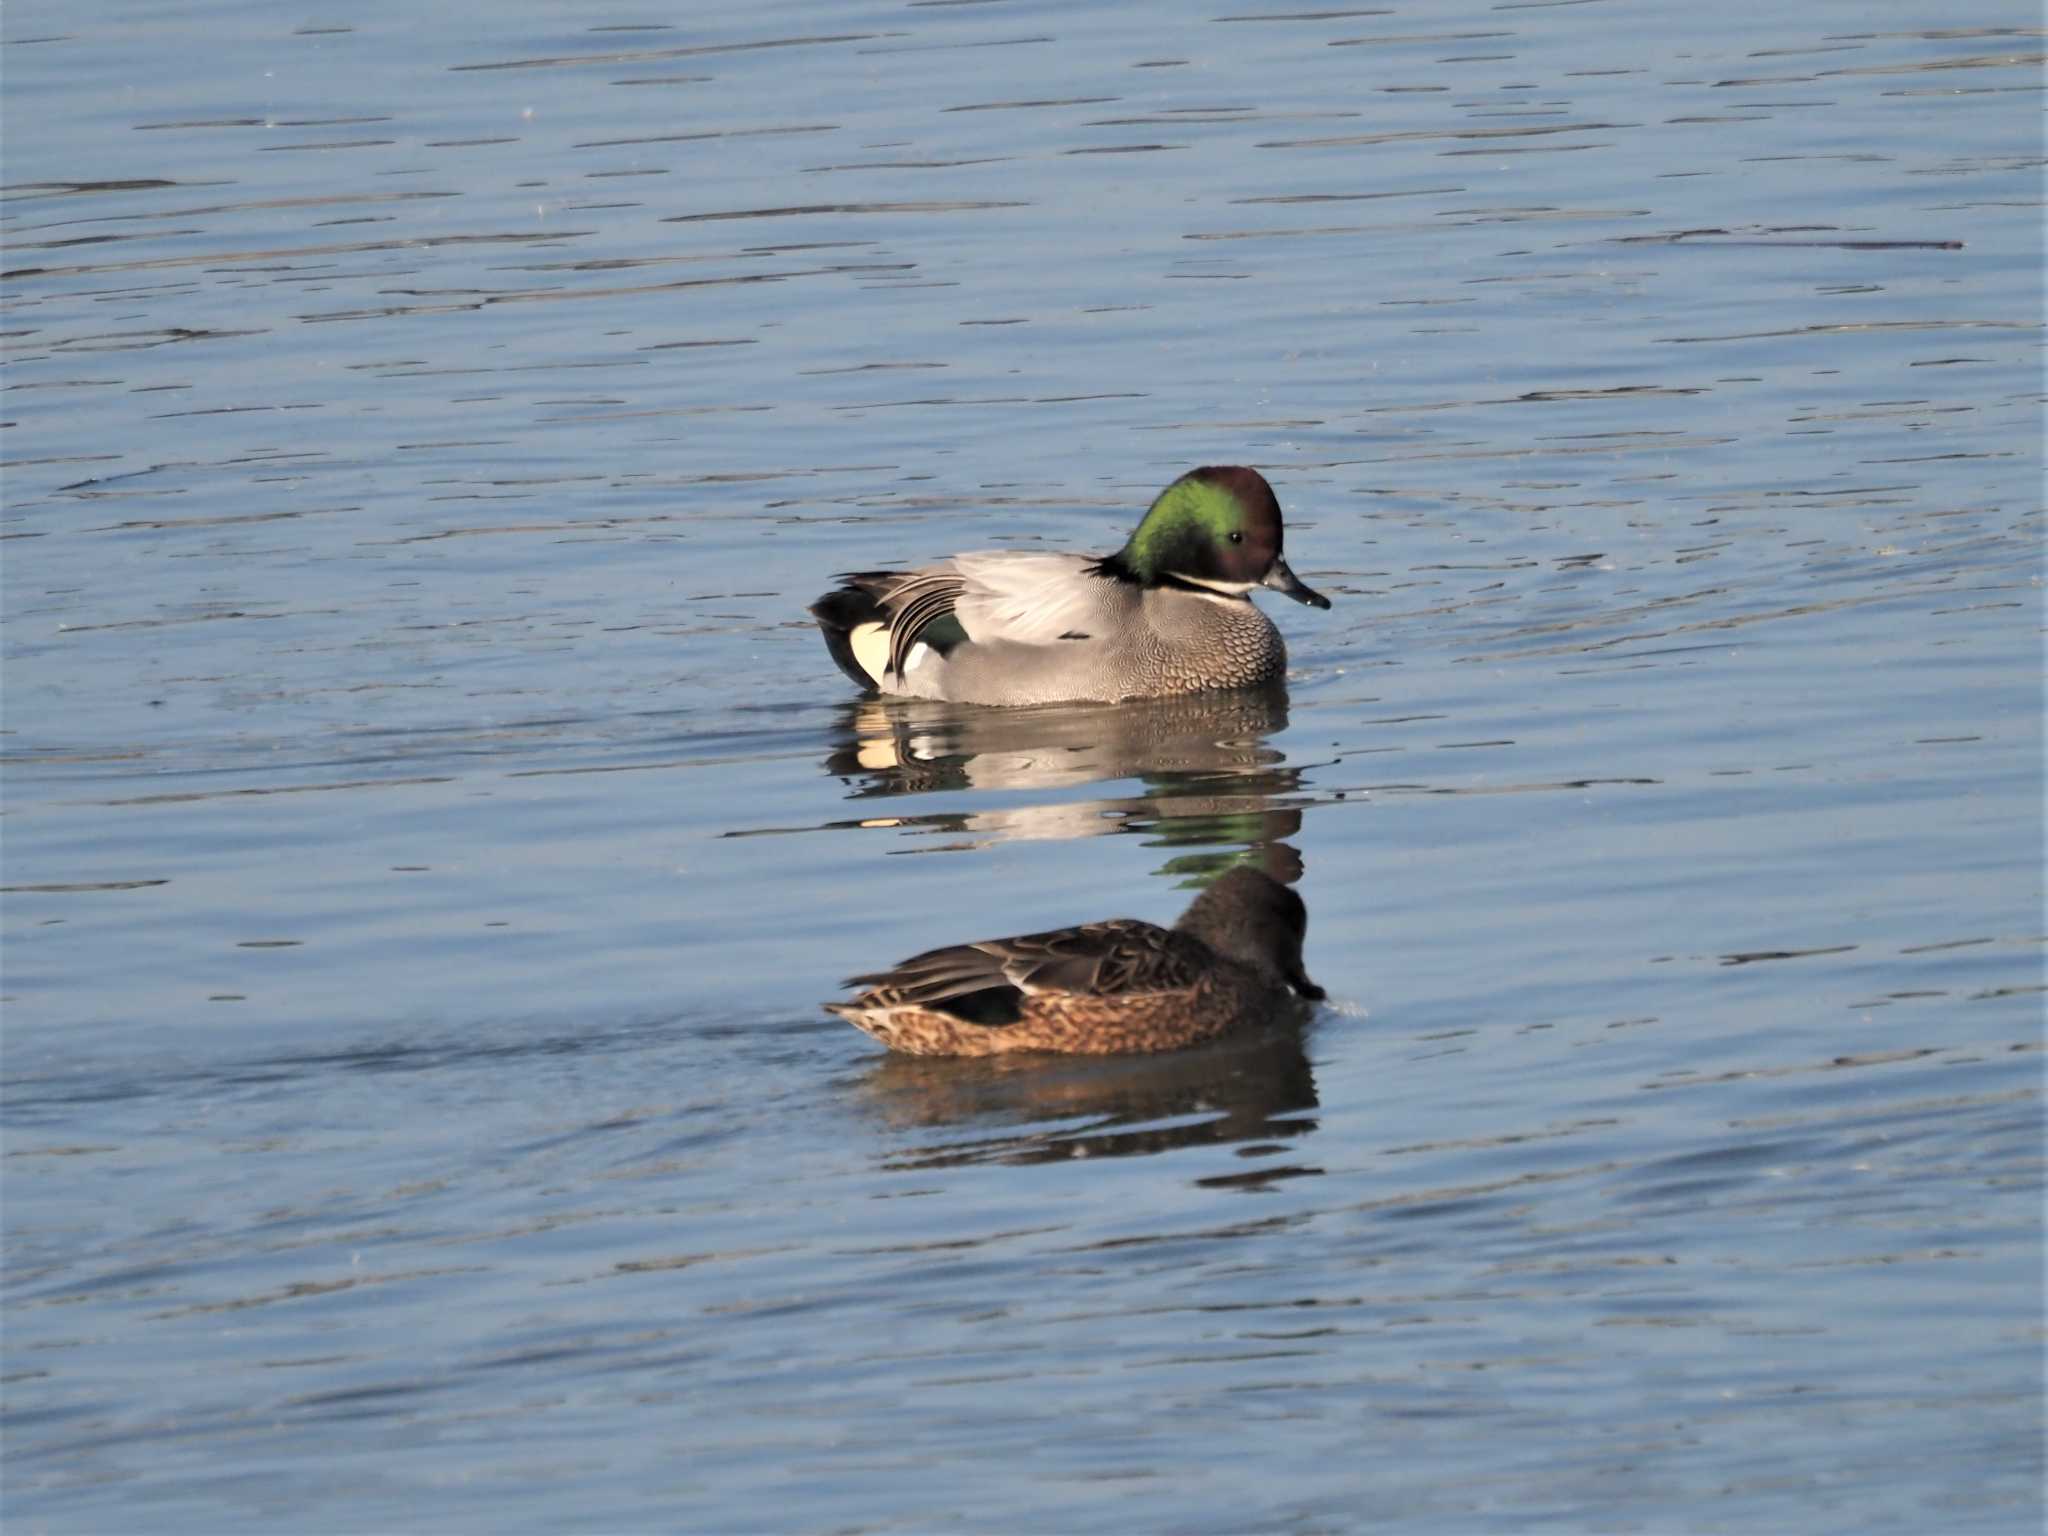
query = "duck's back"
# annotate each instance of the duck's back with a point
(1044, 629)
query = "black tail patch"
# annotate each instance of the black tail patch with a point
(843, 610)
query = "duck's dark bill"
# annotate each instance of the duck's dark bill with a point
(1281, 579)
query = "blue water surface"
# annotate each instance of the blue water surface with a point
(432, 822)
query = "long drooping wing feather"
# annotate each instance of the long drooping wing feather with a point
(996, 595)
(922, 598)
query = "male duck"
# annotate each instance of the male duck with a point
(1231, 962)
(1168, 613)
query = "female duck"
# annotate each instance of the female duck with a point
(1168, 613)
(1232, 962)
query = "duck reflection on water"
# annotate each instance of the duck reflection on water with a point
(1207, 772)
(1255, 1092)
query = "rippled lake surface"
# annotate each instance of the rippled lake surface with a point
(432, 821)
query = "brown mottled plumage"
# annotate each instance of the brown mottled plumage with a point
(1231, 962)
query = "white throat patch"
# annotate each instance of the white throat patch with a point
(1229, 591)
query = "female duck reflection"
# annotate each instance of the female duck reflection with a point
(1255, 1092)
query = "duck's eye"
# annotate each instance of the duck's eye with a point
(1237, 535)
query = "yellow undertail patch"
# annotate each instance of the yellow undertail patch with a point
(870, 643)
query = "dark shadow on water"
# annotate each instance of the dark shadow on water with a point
(1256, 1093)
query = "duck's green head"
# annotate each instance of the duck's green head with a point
(1216, 529)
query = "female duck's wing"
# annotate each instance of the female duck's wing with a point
(987, 982)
